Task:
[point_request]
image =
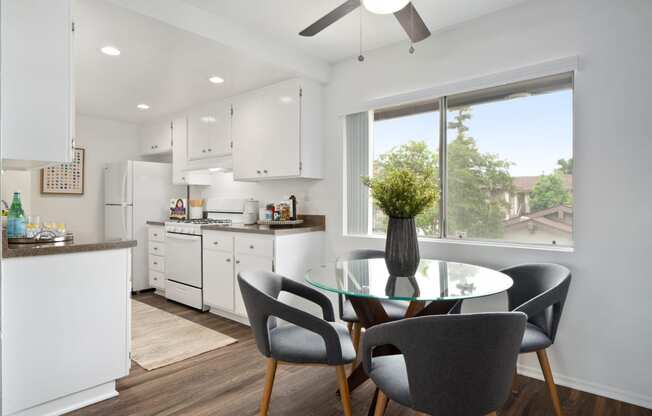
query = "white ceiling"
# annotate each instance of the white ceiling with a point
(257, 44)
(284, 19)
(162, 66)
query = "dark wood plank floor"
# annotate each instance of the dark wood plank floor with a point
(229, 381)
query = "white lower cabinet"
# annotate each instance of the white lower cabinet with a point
(156, 242)
(227, 253)
(218, 279)
(246, 262)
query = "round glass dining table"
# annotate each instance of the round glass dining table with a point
(438, 287)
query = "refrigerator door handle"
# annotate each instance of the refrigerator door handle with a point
(124, 185)
(124, 222)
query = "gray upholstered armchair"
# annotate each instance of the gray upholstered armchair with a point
(305, 339)
(540, 291)
(449, 364)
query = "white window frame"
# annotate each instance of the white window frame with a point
(542, 70)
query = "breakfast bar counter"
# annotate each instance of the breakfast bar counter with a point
(63, 247)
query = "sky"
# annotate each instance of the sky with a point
(532, 132)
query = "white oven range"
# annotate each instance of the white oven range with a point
(183, 254)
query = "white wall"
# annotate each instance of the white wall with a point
(17, 180)
(105, 141)
(605, 337)
(222, 185)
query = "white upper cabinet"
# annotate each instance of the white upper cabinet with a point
(37, 95)
(277, 132)
(156, 138)
(181, 173)
(209, 131)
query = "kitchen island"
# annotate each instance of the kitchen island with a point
(65, 324)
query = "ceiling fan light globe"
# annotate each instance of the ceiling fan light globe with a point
(384, 6)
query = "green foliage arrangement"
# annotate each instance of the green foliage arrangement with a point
(402, 192)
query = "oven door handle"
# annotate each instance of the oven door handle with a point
(183, 237)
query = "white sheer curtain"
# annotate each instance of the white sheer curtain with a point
(357, 165)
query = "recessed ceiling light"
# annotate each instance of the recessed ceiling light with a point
(143, 107)
(216, 80)
(110, 50)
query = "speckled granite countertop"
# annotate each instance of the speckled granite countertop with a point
(158, 223)
(266, 229)
(66, 247)
(312, 223)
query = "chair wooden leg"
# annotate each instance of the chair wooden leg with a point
(381, 404)
(515, 391)
(349, 325)
(269, 383)
(344, 390)
(357, 332)
(547, 374)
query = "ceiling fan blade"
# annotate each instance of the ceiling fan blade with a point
(330, 18)
(412, 23)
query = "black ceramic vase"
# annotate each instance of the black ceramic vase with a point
(402, 247)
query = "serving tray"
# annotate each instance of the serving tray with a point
(286, 222)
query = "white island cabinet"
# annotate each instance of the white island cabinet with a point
(228, 253)
(65, 328)
(37, 95)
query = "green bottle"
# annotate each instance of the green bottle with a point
(16, 219)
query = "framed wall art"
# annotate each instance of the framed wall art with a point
(66, 178)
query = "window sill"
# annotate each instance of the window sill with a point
(475, 243)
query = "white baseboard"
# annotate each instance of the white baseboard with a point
(230, 315)
(71, 402)
(589, 387)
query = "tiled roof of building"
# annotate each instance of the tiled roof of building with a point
(526, 183)
(540, 217)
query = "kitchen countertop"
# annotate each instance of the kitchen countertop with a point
(266, 229)
(312, 223)
(65, 247)
(160, 223)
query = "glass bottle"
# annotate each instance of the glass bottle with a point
(16, 219)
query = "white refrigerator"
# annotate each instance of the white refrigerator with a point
(135, 192)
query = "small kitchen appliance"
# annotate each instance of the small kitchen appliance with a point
(250, 211)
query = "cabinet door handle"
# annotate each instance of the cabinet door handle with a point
(210, 150)
(156, 263)
(203, 150)
(265, 171)
(237, 262)
(214, 243)
(228, 260)
(258, 172)
(155, 235)
(155, 248)
(251, 246)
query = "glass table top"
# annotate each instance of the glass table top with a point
(434, 280)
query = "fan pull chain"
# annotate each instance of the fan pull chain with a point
(360, 56)
(411, 50)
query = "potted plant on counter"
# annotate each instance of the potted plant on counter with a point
(402, 194)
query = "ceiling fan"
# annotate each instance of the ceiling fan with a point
(403, 10)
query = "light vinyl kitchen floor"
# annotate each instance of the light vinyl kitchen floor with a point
(229, 381)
